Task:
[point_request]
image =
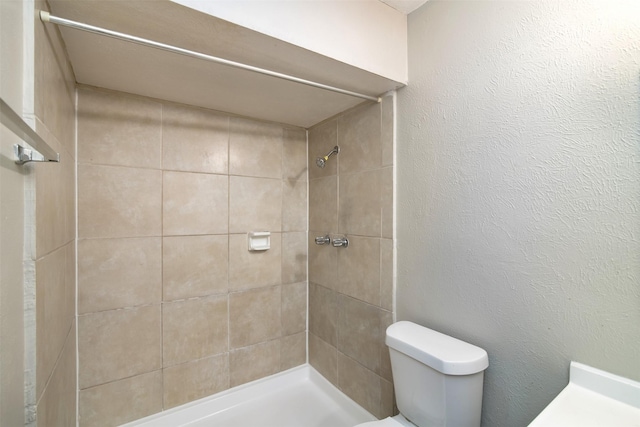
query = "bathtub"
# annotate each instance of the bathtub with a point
(299, 397)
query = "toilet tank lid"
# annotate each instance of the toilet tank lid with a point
(441, 352)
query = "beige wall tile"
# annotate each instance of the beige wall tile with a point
(386, 274)
(194, 266)
(118, 344)
(255, 148)
(387, 406)
(386, 132)
(254, 362)
(294, 158)
(293, 351)
(194, 203)
(117, 129)
(193, 329)
(57, 406)
(194, 139)
(386, 202)
(322, 139)
(323, 313)
(55, 86)
(360, 384)
(255, 204)
(53, 309)
(386, 320)
(323, 205)
(294, 308)
(254, 316)
(267, 327)
(119, 202)
(360, 204)
(119, 273)
(194, 380)
(69, 193)
(41, 49)
(323, 262)
(324, 358)
(359, 139)
(359, 331)
(121, 401)
(294, 257)
(55, 207)
(254, 269)
(359, 269)
(70, 282)
(294, 205)
(54, 362)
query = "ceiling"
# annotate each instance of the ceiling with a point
(405, 6)
(118, 65)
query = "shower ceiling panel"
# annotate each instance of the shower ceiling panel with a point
(113, 64)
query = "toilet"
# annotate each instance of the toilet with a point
(437, 378)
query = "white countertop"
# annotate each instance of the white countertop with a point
(593, 398)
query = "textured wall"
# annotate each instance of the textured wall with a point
(518, 190)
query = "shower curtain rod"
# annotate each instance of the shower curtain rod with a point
(47, 17)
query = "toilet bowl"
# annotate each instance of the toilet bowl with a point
(437, 378)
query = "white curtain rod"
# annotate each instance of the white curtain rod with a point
(46, 17)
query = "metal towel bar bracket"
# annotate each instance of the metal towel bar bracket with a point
(41, 151)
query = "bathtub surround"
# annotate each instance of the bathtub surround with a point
(518, 178)
(350, 289)
(53, 364)
(172, 306)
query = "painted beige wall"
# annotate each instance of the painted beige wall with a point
(166, 196)
(518, 183)
(367, 34)
(351, 289)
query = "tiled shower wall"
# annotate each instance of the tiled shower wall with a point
(171, 304)
(54, 357)
(351, 289)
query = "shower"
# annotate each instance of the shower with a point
(320, 161)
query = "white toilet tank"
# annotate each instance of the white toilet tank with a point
(437, 378)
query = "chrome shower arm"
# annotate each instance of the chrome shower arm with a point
(320, 161)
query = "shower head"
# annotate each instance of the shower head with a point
(321, 161)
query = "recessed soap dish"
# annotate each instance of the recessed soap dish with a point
(259, 240)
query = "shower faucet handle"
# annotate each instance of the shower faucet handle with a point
(323, 240)
(340, 242)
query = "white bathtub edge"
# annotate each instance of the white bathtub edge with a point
(193, 411)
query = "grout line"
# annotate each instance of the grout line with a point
(77, 228)
(307, 247)
(162, 254)
(228, 292)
